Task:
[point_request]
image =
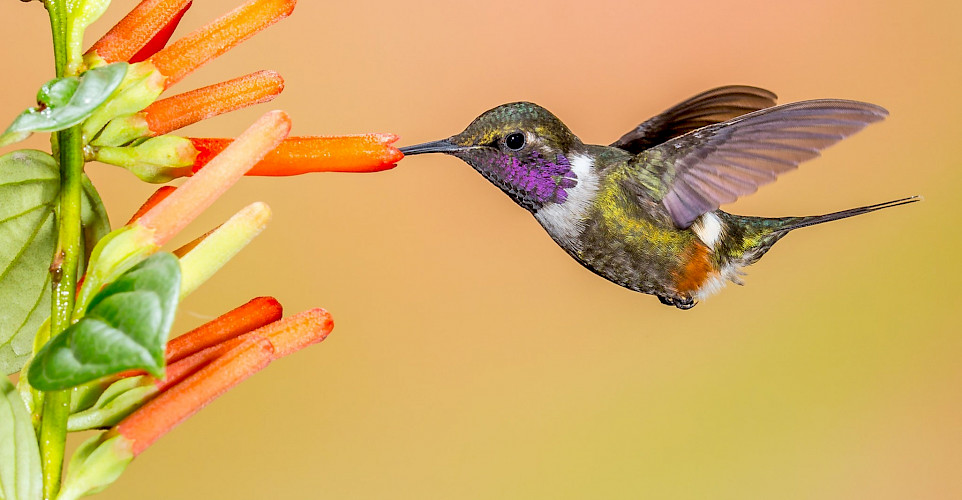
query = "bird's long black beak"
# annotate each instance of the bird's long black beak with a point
(442, 146)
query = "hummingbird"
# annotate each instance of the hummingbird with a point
(643, 212)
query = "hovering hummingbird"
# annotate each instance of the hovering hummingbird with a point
(643, 212)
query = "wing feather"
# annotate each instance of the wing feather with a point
(716, 164)
(710, 107)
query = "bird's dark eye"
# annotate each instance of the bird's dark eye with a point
(514, 141)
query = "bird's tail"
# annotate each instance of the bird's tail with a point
(799, 222)
(752, 237)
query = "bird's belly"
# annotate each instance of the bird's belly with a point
(640, 254)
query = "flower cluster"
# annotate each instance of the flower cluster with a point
(132, 131)
(102, 360)
(140, 405)
(202, 364)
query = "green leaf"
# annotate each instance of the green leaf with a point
(125, 328)
(20, 475)
(29, 186)
(68, 101)
(57, 92)
(8, 138)
(113, 255)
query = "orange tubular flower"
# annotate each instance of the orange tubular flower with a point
(181, 110)
(228, 363)
(194, 50)
(172, 113)
(299, 155)
(259, 318)
(258, 312)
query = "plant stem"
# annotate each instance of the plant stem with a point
(68, 146)
(57, 9)
(56, 404)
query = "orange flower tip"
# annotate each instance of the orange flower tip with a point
(172, 113)
(256, 313)
(391, 155)
(143, 31)
(294, 333)
(217, 37)
(157, 197)
(172, 214)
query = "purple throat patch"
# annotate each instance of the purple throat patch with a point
(539, 179)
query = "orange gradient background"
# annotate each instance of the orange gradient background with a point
(473, 358)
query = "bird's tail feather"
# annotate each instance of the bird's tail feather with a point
(756, 235)
(844, 214)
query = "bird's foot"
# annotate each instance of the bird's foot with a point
(683, 303)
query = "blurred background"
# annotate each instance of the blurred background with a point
(473, 358)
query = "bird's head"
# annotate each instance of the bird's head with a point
(520, 147)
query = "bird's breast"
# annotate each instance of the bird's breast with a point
(566, 221)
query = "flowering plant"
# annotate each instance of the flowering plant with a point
(88, 328)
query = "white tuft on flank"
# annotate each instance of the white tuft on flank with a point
(715, 283)
(565, 221)
(709, 229)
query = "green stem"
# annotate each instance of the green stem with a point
(68, 146)
(56, 404)
(57, 9)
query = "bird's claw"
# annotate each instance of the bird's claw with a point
(684, 303)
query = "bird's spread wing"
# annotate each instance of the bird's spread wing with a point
(697, 172)
(713, 106)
